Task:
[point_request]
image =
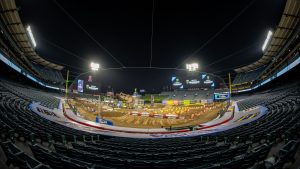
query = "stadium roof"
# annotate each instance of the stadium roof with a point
(286, 27)
(10, 15)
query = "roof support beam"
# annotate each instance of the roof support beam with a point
(9, 10)
(261, 61)
(275, 45)
(26, 47)
(252, 66)
(48, 63)
(272, 51)
(18, 33)
(276, 37)
(35, 59)
(269, 56)
(265, 59)
(30, 50)
(281, 27)
(31, 53)
(290, 15)
(13, 23)
(22, 41)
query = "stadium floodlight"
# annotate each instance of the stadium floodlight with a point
(31, 36)
(270, 33)
(192, 67)
(95, 66)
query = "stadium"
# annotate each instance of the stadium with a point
(149, 84)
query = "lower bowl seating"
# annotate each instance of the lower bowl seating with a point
(56, 146)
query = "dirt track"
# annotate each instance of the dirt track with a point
(122, 118)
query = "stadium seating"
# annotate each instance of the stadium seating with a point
(188, 95)
(264, 98)
(31, 94)
(17, 157)
(51, 74)
(31, 141)
(240, 147)
(247, 76)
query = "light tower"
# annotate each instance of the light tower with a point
(192, 67)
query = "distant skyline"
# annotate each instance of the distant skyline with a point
(219, 35)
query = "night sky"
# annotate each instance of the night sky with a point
(181, 30)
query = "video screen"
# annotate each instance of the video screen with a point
(176, 83)
(80, 86)
(91, 86)
(221, 96)
(195, 80)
